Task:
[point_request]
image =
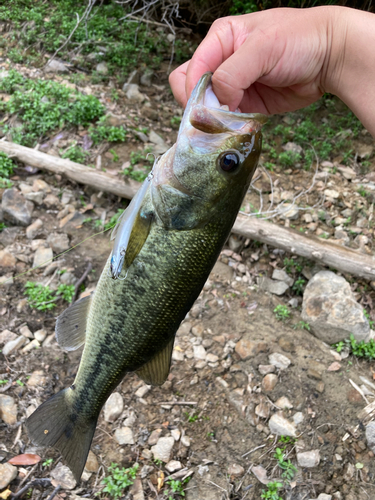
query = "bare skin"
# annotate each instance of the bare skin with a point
(285, 59)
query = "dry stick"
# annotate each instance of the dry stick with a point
(80, 281)
(36, 482)
(54, 493)
(342, 259)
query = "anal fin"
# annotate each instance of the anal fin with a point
(156, 371)
(71, 325)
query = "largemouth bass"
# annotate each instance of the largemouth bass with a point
(165, 247)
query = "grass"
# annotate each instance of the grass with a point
(119, 480)
(281, 312)
(76, 154)
(360, 349)
(42, 298)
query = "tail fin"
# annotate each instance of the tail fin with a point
(55, 423)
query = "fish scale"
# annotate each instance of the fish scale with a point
(165, 247)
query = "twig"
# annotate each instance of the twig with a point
(42, 482)
(254, 449)
(27, 476)
(359, 390)
(80, 281)
(54, 493)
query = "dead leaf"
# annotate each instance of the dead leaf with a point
(334, 367)
(261, 474)
(5, 494)
(160, 480)
(25, 459)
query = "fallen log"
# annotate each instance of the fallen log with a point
(328, 253)
(73, 171)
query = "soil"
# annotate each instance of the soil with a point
(222, 395)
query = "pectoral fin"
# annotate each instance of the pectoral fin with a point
(156, 371)
(71, 325)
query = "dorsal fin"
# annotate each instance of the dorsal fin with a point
(156, 371)
(71, 325)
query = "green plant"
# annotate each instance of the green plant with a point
(3, 381)
(282, 312)
(299, 286)
(39, 297)
(362, 191)
(2, 226)
(47, 462)
(175, 121)
(367, 315)
(175, 486)
(191, 418)
(66, 291)
(76, 154)
(6, 166)
(272, 492)
(119, 479)
(289, 158)
(360, 349)
(302, 325)
(114, 154)
(286, 465)
(102, 132)
(20, 383)
(138, 159)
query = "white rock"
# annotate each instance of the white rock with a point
(113, 407)
(281, 275)
(308, 458)
(186, 441)
(281, 426)
(40, 335)
(142, 391)
(176, 434)
(212, 358)
(324, 496)
(173, 465)
(13, 345)
(279, 360)
(34, 344)
(25, 331)
(8, 472)
(272, 286)
(124, 435)
(331, 193)
(199, 352)
(298, 418)
(42, 257)
(163, 449)
(288, 211)
(56, 66)
(283, 403)
(177, 355)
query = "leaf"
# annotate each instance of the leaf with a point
(5, 494)
(25, 459)
(160, 480)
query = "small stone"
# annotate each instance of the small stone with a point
(102, 68)
(334, 367)
(8, 473)
(292, 146)
(272, 286)
(163, 449)
(281, 426)
(176, 434)
(133, 93)
(185, 441)
(7, 336)
(36, 198)
(21, 306)
(284, 403)
(42, 257)
(56, 66)
(199, 352)
(34, 344)
(146, 78)
(347, 172)
(269, 382)
(320, 386)
(154, 437)
(236, 470)
(113, 407)
(51, 201)
(63, 476)
(266, 369)
(308, 458)
(212, 358)
(142, 391)
(136, 491)
(279, 360)
(37, 378)
(59, 242)
(147, 454)
(324, 496)
(15, 208)
(262, 410)
(92, 464)
(246, 349)
(161, 146)
(68, 278)
(8, 409)
(298, 418)
(289, 211)
(7, 260)
(177, 355)
(331, 193)
(13, 345)
(370, 436)
(33, 230)
(124, 435)
(173, 465)
(40, 335)
(185, 328)
(41, 185)
(25, 331)
(280, 275)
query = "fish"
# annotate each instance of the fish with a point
(165, 246)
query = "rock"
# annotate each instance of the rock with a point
(36, 198)
(154, 437)
(59, 242)
(34, 344)
(42, 257)
(331, 309)
(124, 435)
(92, 464)
(262, 410)
(324, 496)
(33, 230)
(159, 142)
(292, 146)
(281, 275)
(63, 476)
(298, 418)
(334, 367)
(223, 271)
(370, 435)
(269, 382)
(347, 172)
(25, 331)
(281, 426)
(37, 378)
(185, 441)
(102, 68)
(13, 345)
(199, 352)
(173, 465)
(40, 335)
(364, 150)
(7, 336)
(212, 358)
(51, 201)
(136, 490)
(308, 458)
(41, 185)
(246, 349)
(15, 208)
(72, 223)
(146, 78)
(142, 391)
(7, 260)
(8, 472)
(176, 434)
(178, 355)
(133, 93)
(8, 409)
(266, 369)
(68, 278)
(163, 449)
(284, 403)
(288, 211)
(272, 286)
(56, 66)
(331, 193)
(279, 360)
(113, 407)
(7, 280)
(236, 470)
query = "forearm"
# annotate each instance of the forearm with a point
(350, 68)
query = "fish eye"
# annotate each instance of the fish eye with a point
(229, 162)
